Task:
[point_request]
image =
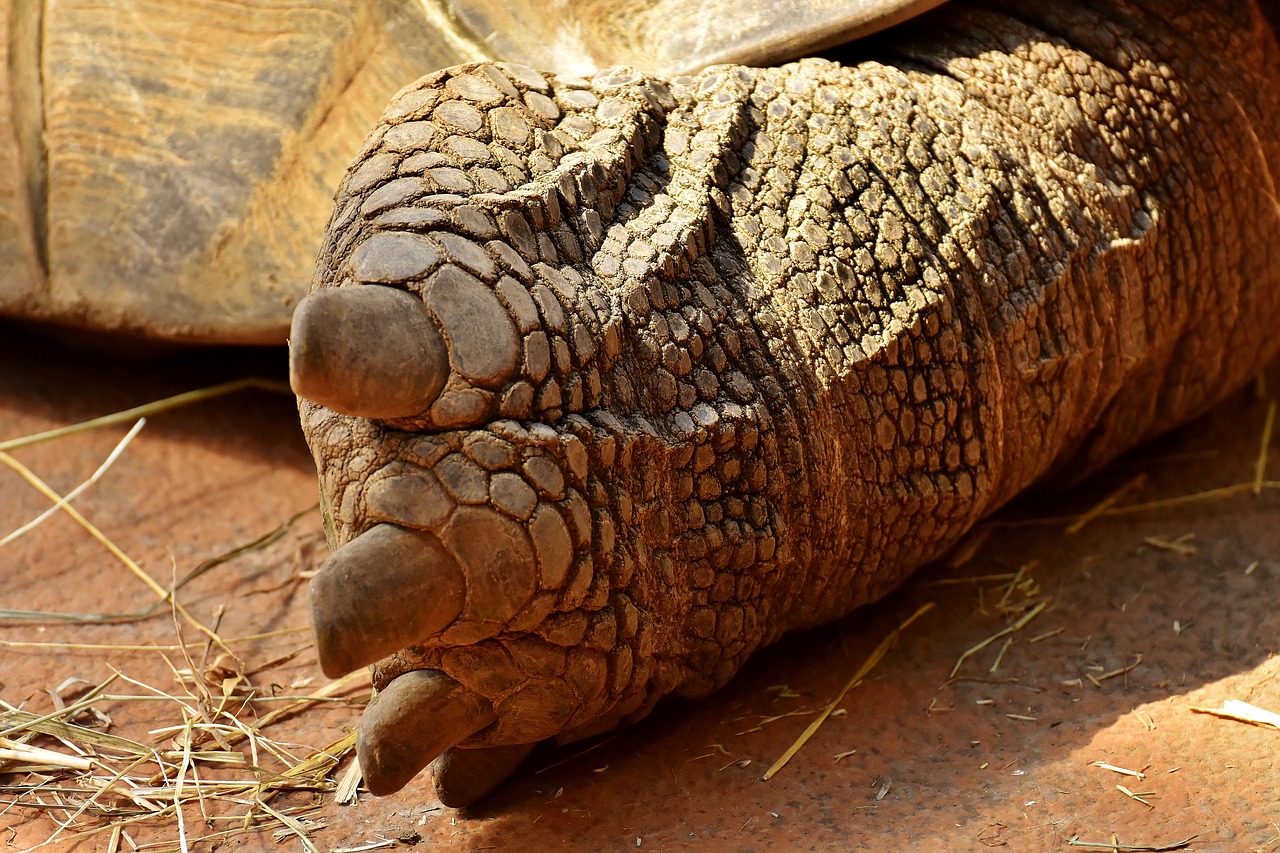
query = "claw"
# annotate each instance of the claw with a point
(367, 351)
(419, 716)
(388, 588)
(462, 776)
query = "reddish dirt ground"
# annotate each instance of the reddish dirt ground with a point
(1001, 757)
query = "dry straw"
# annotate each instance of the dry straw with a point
(219, 761)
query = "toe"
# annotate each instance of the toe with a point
(415, 719)
(388, 588)
(372, 352)
(463, 776)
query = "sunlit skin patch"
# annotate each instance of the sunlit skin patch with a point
(612, 381)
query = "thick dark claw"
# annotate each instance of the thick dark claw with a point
(368, 351)
(388, 588)
(414, 720)
(462, 776)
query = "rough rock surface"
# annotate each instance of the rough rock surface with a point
(731, 354)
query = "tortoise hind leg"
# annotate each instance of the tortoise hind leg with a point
(731, 356)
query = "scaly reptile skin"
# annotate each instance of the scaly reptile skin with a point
(711, 359)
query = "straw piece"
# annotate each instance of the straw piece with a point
(348, 791)
(263, 541)
(1181, 545)
(973, 579)
(1150, 506)
(78, 490)
(328, 691)
(1124, 771)
(869, 664)
(1133, 848)
(156, 407)
(120, 647)
(1098, 679)
(1136, 796)
(80, 704)
(294, 826)
(42, 487)
(1260, 467)
(15, 752)
(1101, 507)
(372, 845)
(324, 760)
(1244, 712)
(12, 722)
(1016, 626)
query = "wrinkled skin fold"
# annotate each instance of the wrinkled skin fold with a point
(731, 354)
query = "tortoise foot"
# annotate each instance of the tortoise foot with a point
(542, 447)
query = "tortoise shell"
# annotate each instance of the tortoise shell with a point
(166, 170)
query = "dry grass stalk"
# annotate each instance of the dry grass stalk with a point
(1181, 545)
(1134, 796)
(1107, 503)
(293, 825)
(772, 719)
(102, 783)
(869, 664)
(144, 784)
(122, 647)
(78, 490)
(34, 759)
(1014, 628)
(1000, 656)
(263, 541)
(61, 502)
(84, 702)
(1021, 582)
(42, 487)
(1260, 467)
(976, 579)
(91, 783)
(174, 402)
(1123, 771)
(1150, 506)
(345, 793)
(1243, 712)
(24, 722)
(1098, 679)
(372, 845)
(1133, 848)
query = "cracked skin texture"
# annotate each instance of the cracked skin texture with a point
(714, 358)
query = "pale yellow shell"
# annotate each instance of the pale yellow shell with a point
(166, 169)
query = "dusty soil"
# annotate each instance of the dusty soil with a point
(1001, 756)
